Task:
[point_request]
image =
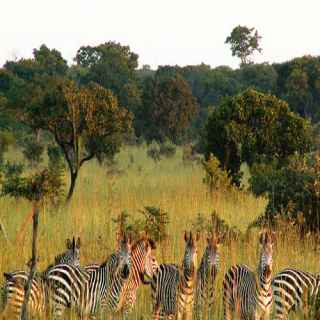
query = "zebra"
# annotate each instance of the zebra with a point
(112, 286)
(143, 263)
(294, 289)
(172, 289)
(16, 280)
(206, 275)
(247, 293)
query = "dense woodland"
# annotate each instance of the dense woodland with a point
(265, 115)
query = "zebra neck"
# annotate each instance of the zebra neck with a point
(138, 261)
(264, 283)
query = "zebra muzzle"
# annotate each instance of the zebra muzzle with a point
(125, 271)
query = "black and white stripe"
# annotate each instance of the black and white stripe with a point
(172, 288)
(143, 263)
(246, 293)
(206, 275)
(15, 284)
(87, 291)
(294, 289)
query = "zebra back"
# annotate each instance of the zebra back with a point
(88, 290)
(15, 283)
(206, 275)
(246, 292)
(294, 289)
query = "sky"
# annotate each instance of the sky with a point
(162, 32)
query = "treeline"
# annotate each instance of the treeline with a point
(171, 102)
(265, 115)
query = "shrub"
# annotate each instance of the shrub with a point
(215, 178)
(167, 149)
(32, 150)
(293, 191)
(153, 152)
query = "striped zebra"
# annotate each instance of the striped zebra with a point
(294, 289)
(206, 275)
(112, 286)
(246, 293)
(16, 281)
(172, 288)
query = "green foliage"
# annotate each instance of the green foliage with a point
(215, 178)
(169, 108)
(299, 84)
(112, 66)
(262, 77)
(215, 224)
(291, 190)
(6, 139)
(167, 149)
(43, 186)
(153, 152)
(254, 127)
(32, 150)
(154, 223)
(85, 122)
(244, 42)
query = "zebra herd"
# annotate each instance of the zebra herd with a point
(181, 292)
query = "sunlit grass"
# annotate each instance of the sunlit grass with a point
(176, 188)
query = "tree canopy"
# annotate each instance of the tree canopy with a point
(253, 127)
(244, 42)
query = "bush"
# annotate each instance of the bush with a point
(215, 224)
(215, 178)
(167, 149)
(154, 223)
(153, 152)
(32, 150)
(292, 191)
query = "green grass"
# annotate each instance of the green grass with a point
(176, 188)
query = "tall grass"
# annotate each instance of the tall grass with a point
(101, 194)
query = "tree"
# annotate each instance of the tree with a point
(293, 191)
(85, 122)
(38, 188)
(244, 42)
(169, 109)
(299, 84)
(254, 127)
(112, 66)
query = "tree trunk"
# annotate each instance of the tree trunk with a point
(73, 178)
(27, 288)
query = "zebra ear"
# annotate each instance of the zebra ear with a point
(197, 236)
(68, 244)
(186, 239)
(78, 243)
(73, 246)
(262, 236)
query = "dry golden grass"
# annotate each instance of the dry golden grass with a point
(178, 189)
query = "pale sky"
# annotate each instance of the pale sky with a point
(183, 32)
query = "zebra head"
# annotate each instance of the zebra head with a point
(124, 255)
(211, 256)
(191, 251)
(72, 254)
(266, 242)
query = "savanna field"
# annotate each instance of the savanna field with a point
(177, 188)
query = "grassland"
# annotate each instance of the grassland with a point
(178, 189)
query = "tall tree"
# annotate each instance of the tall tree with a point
(244, 42)
(169, 108)
(85, 122)
(112, 66)
(254, 127)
